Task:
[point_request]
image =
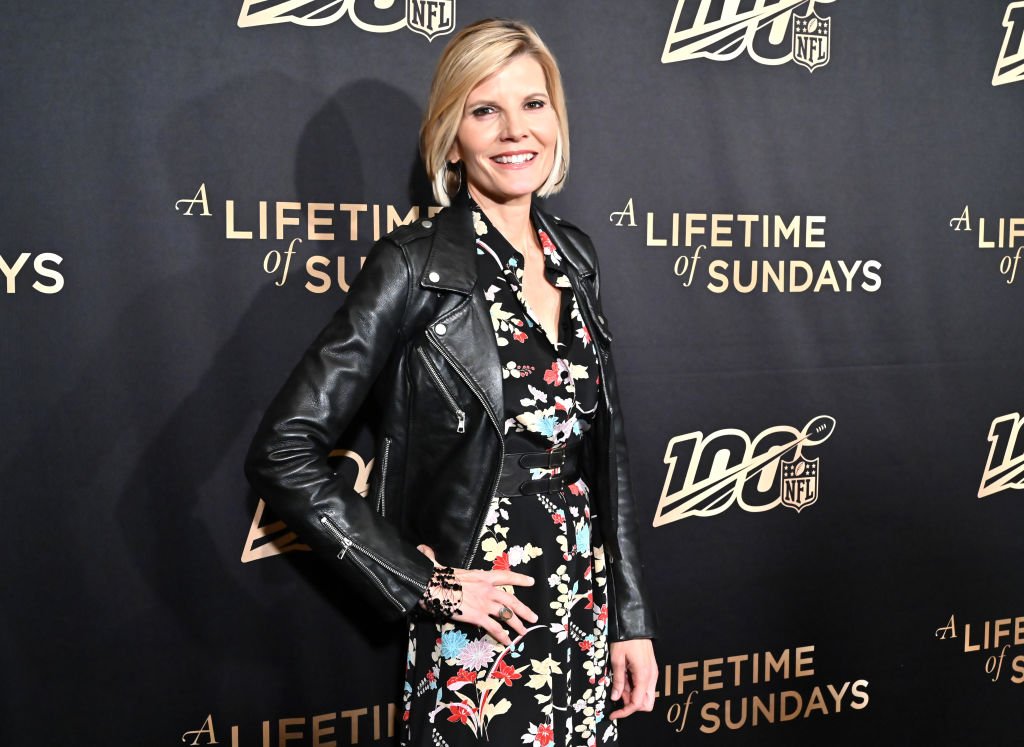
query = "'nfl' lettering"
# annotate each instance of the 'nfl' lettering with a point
(430, 17)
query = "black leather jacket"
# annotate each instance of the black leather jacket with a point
(415, 333)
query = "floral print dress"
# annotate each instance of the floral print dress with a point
(550, 687)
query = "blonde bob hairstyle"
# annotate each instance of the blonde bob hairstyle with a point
(475, 53)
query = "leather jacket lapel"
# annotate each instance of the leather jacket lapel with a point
(452, 266)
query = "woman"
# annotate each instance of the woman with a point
(501, 521)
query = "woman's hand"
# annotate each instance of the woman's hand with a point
(482, 599)
(634, 675)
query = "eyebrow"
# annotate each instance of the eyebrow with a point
(487, 102)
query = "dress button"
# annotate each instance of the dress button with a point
(427, 224)
(440, 328)
(434, 277)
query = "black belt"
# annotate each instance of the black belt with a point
(516, 476)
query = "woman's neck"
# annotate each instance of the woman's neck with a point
(511, 219)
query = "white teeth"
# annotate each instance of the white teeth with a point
(521, 158)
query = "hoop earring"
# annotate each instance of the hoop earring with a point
(457, 168)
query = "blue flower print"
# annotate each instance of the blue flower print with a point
(583, 538)
(452, 643)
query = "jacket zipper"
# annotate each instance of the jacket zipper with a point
(459, 413)
(381, 507)
(347, 543)
(501, 441)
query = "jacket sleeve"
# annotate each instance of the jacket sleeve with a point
(287, 460)
(634, 615)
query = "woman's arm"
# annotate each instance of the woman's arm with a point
(287, 461)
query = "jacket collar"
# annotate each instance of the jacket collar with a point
(451, 264)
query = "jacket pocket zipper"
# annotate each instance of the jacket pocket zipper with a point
(482, 514)
(459, 413)
(381, 494)
(347, 543)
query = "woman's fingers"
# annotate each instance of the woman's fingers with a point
(521, 610)
(429, 552)
(634, 675)
(510, 578)
(484, 601)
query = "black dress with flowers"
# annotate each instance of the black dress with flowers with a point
(550, 687)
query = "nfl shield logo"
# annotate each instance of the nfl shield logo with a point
(799, 483)
(811, 40)
(430, 17)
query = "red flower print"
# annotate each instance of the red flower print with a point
(463, 676)
(603, 615)
(506, 672)
(458, 713)
(545, 735)
(585, 334)
(590, 601)
(575, 489)
(558, 519)
(553, 375)
(519, 336)
(546, 243)
(501, 562)
(430, 676)
(585, 645)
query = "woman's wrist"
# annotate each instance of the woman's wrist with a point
(443, 594)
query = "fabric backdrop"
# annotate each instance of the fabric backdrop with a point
(810, 223)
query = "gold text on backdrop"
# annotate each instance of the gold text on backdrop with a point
(44, 265)
(752, 674)
(723, 249)
(296, 222)
(996, 639)
(335, 728)
(1004, 235)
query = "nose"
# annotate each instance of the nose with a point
(515, 125)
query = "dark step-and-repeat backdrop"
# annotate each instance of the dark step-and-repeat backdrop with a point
(810, 220)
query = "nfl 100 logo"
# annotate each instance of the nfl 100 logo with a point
(770, 32)
(430, 18)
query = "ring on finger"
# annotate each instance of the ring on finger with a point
(504, 613)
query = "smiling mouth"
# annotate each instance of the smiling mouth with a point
(518, 158)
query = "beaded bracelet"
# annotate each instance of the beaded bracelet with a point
(443, 593)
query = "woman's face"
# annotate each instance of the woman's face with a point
(507, 136)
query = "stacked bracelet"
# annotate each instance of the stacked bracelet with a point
(443, 594)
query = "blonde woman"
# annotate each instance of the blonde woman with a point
(501, 521)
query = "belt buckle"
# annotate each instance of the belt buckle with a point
(556, 457)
